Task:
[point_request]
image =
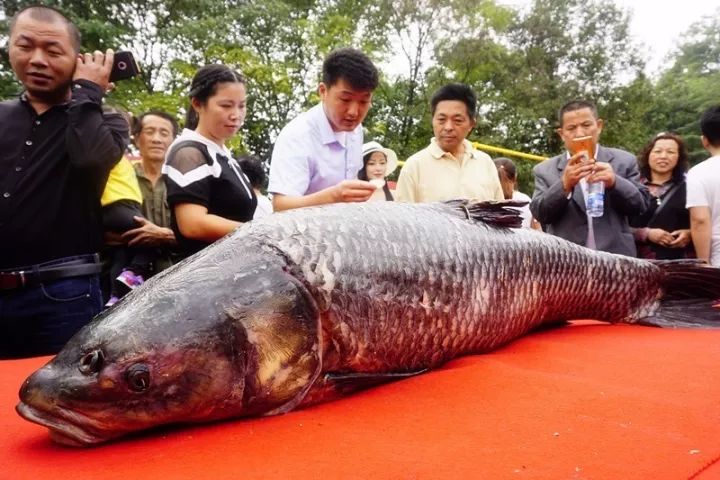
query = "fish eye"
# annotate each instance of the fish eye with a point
(138, 377)
(92, 362)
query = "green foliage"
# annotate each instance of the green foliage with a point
(691, 84)
(557, 51)
(522, 64)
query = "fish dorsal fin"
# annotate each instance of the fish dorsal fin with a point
(494, 213)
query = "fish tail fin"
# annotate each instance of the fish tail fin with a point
(692, 295)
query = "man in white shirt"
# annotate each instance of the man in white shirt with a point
(450, 167)
(317, 155)
(703, 192)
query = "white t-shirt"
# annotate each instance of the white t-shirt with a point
(524, 211)
(703, 190)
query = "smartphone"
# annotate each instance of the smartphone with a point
(584, 144)
(124, 66)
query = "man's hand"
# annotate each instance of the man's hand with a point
(95, 67)
(603, 172)
(576, 169)
(148, 235)
(353, 191)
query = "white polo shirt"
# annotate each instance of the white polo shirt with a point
(433, 175)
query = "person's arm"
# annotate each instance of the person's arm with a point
(551, 195)
(640, 234)
(700, 230)
(148, 235)
(290, 176)
(94, 139)
(407, 184)
(189, 182)
(196, 223)
(624, 188)
(345, 191)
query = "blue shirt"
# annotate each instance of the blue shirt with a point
(309, 156)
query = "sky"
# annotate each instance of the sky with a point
(658, 24)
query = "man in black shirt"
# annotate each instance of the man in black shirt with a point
(56, 150)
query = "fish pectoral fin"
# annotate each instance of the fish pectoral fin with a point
(344, 383)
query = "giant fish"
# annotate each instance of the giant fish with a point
(307, 305)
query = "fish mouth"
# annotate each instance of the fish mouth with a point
(64, 429)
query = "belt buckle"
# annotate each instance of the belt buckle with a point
(12, 280)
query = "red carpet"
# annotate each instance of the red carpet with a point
(587, 401)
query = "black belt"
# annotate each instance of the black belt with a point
(32, 278)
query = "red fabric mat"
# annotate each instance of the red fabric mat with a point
(588, 401)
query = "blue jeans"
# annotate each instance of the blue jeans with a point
(39, 320)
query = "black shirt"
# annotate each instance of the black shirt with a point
(666, 211)
(194, 174)
(53, 169)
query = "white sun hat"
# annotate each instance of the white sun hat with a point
(392, 161)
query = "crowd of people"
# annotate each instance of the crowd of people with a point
(81, 225)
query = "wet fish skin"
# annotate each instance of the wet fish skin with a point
(463, 288)
(191, 343)
(254, 324)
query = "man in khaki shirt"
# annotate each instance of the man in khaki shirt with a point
(450, 168)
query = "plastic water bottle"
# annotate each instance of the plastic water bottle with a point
(595, 199)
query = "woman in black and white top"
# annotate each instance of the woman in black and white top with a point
(208, 194)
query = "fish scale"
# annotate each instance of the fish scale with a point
(306, 305)
(458, 288)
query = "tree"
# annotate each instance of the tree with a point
(400, 118)
(523, 65)
(559, 50)
(691, 84)
(278, 44)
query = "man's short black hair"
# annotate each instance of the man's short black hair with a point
(137, 125)
(710, 125)
(253, 167)
(574, 105)
(455, 91)
(350, 65)
(47, 14)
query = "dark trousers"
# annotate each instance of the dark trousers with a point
(39, 320)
